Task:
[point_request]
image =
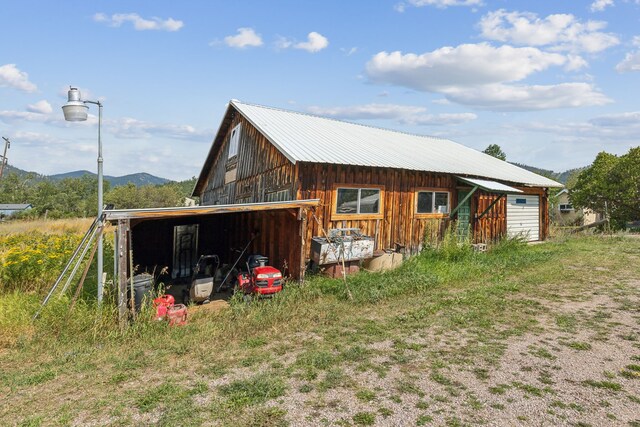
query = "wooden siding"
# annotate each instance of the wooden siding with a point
(399, 224)
(262, 173)
(492, 225)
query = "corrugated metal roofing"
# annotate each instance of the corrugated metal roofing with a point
(189, 211)
(307, 138)
(490, 185)
(14, 206)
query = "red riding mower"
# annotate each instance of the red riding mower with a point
(259, 278)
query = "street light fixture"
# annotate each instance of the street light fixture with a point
(75, 110)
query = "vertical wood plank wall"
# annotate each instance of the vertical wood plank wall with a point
(263, 174)
(398, 225)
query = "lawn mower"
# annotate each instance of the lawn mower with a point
(202, 281)
(259, 278)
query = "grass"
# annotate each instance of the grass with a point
(311, 335)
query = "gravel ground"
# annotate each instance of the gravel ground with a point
(561, 375)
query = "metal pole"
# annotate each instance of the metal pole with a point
(3, 159)
(100, 204)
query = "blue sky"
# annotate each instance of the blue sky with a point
(553, 83)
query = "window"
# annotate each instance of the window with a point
(234, 141)
(567, 207)
(521, 201)
(358, 201)
(432, 202)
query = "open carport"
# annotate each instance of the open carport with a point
(172, 239)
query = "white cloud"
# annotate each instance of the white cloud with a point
(631, 62)
(501, 97)
(440, 119)
(406, 114)
(466, 65)
(636, 41)
(315, 43)
(139, 23)
(560, 32)
(440, 4)
(368, 111)
(129, 128)
(246, 37)
(40, 107)
(9, 116)
(628, 119)
(11, 76)
(600, 5)
(482, 76)
(348, 52)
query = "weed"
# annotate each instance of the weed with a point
(577, 345)
(365, 395)
(334, 377)
(609, 385)
(364, 418)
(423, 420)
(254, 390)
(499, 389)
(305, 388)
(421, 404)
(385, 412)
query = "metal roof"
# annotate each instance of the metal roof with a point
(14, 206)
(492, 186)
(307, 138)
(182, 211)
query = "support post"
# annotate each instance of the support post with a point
(123, 260)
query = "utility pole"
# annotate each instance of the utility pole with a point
(3, 158)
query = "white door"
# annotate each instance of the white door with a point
(523, 216)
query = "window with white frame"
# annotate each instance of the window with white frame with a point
(566, 207)
(234, 141)
(355, 201)
(432, 202)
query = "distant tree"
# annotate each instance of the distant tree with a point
(495, 151)
(611, 183)
(149, 196)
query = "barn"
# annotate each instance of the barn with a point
(394, 186)
(275, 180)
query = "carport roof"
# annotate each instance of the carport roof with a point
(181, 211)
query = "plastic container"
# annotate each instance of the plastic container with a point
(177, 315)
(142, 287)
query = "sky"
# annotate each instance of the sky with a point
(552, 82)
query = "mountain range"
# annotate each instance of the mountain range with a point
(142, 178)
(138, 179)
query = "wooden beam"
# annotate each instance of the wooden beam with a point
(491, 205)
(453, 212)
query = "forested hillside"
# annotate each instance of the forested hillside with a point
(78, 197)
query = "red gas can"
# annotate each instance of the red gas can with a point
(177, 315)
(162, 305)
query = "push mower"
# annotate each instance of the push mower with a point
(202, 281)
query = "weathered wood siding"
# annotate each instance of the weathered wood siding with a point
(399, 224)
(262, 173)
(493, 225)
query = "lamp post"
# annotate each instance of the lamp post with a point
(75, 110)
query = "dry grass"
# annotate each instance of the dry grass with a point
(56, 226)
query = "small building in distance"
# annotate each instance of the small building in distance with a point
(566, 214)
(8, 209)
